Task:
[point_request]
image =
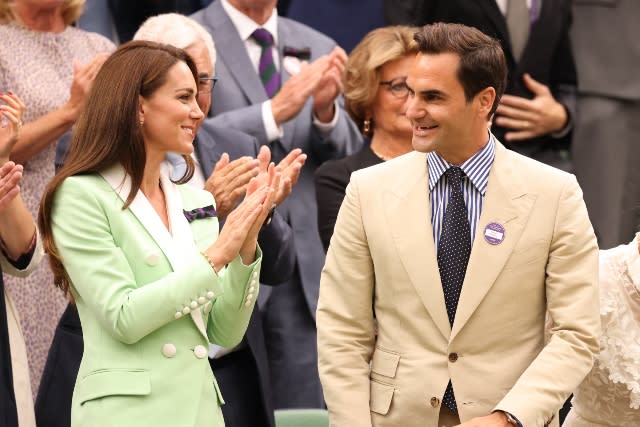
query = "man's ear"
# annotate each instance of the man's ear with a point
(485, 99)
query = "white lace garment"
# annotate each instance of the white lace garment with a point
(610, 394)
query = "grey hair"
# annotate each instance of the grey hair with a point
(176, 30)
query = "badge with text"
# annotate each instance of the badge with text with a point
(494, 233)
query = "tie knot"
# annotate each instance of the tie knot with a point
(263, 37)
(454, 175)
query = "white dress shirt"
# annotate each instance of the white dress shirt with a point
(245, 27)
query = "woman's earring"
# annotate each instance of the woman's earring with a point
(141, 122)
(366, 126)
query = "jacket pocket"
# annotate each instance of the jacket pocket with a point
(112, 382)
(381, 396)
(385, 363)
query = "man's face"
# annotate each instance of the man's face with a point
(200, 55)
(442, 119)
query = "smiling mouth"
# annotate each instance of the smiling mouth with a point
(188, 130)
(423, 129)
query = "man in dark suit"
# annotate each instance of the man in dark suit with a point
(228, 158)
(304, 113)
(535, 114)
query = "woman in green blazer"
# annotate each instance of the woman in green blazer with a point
(153, 281)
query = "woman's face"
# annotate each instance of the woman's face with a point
(171, 114)
(390, 104)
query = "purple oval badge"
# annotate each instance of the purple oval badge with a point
(494, 233)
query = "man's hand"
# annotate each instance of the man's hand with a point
(228, 182)
(294, 93)
(289, 170)
(497, 419)
(529, 118)
(330, 86)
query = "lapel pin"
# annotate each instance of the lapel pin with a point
(494, 233)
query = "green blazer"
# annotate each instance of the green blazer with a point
(149, 302)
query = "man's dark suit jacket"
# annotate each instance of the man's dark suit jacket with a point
(547, 57)
(53, 404)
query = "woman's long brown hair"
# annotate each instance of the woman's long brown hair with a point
(108, 132)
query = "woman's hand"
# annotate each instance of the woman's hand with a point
(10, 176)
(10, 124)
(240, 231)
(271, 179)
(83, 76)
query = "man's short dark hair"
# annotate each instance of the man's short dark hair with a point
(482, 61)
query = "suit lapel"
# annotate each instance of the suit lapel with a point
(286, 38)
(539, 34)
(408, 212)
(234, 54)
(175, 248)
(142, 209)
(206, 151)
(491, 9)
(507, 204)
(182, 237)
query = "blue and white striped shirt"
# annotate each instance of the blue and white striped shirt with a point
(474, 186)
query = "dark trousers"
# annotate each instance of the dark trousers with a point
(237, 377)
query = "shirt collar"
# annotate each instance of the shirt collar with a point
(476, 168)
(246, 26)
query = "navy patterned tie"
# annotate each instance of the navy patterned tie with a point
(454, 249)
(267, 70)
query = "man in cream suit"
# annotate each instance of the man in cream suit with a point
(303, 113)
(458, 340)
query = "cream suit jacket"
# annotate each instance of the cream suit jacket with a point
(382, 262)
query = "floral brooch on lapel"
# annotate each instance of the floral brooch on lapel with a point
(303, 53)
(199, 213)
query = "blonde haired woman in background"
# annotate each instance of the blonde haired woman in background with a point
(51, 64)
(375, 97)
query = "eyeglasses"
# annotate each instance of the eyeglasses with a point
(397, 87)
(206, 84)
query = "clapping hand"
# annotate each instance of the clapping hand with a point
(228, 182)
(289, 169)
(330, 86)
(239, 236)
(10, 176)
(11, 118)
(83, 76)
(295, 92)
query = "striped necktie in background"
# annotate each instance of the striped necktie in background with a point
(267, 70)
